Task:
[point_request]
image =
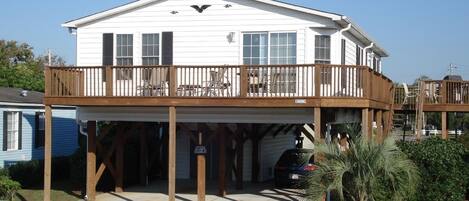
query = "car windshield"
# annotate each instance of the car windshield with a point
(295, 158)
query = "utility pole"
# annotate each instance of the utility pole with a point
(451, 68)
(49, 57)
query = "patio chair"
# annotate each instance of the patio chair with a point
(216, 85)
(407, 94)
(155, 81)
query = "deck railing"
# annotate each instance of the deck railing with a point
(226, 81)
(435, 92)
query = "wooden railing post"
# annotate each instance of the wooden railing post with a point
(317, 80)
(47, 83)
(370, 82)
(172, 81)
(444, 92)
(109, 81)
(244, 81)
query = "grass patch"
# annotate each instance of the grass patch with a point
(61, 190)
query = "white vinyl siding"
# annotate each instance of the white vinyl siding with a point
(12, 130)
(199, 38)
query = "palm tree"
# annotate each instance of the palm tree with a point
(367, 171)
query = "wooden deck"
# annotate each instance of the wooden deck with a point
(219, 86)
(262, 86)
(437, 96)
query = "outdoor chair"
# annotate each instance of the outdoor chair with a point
(407, 94)
(216, 85)
(155, 81)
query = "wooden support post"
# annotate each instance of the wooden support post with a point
(47, 152)
(317, 124)
(371, 116)
(143, 157)
(386, 124)
(221, 161)
(444, 125)
(379, 124)
(172, 154)
(365, 122)
(200, 172)
(256, 138)
(239, 163)
(91, 161)
(119, 180)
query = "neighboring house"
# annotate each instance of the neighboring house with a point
(22, 126)
(223, 61)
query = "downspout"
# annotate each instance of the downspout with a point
(366, 53)
(349, 26)
(81, 125)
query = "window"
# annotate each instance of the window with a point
(283, 51)
(150, 49)
(39, 129)
(150, 53)
(124, 56)
(322, 55)
(12, 130)
(255, 48)
(322, 49)
(283, 48)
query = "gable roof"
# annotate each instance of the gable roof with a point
(342, 20)
(14, 95)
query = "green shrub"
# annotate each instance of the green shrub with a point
(3, 172)
(30, 173)
(367, 171)
(78, 166)
(443, 171)
(8, 188)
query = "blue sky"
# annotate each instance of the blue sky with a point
(422, 36)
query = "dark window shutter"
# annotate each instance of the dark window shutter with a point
(108, 51)
(358, 56)
(167, 48)
(20, 130)
(343, 52)
(5, 125)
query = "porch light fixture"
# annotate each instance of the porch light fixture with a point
(231, 37)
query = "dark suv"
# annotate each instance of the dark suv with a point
(293, 166)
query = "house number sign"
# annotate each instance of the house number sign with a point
(200, 150)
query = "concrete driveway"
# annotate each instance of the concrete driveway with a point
(186, 191)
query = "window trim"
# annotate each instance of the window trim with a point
(159, 47)
(268, 58)
(17, 136)
(322, 61)
(124, 74)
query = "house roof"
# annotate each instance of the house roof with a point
(342, 20)
(16, 95)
